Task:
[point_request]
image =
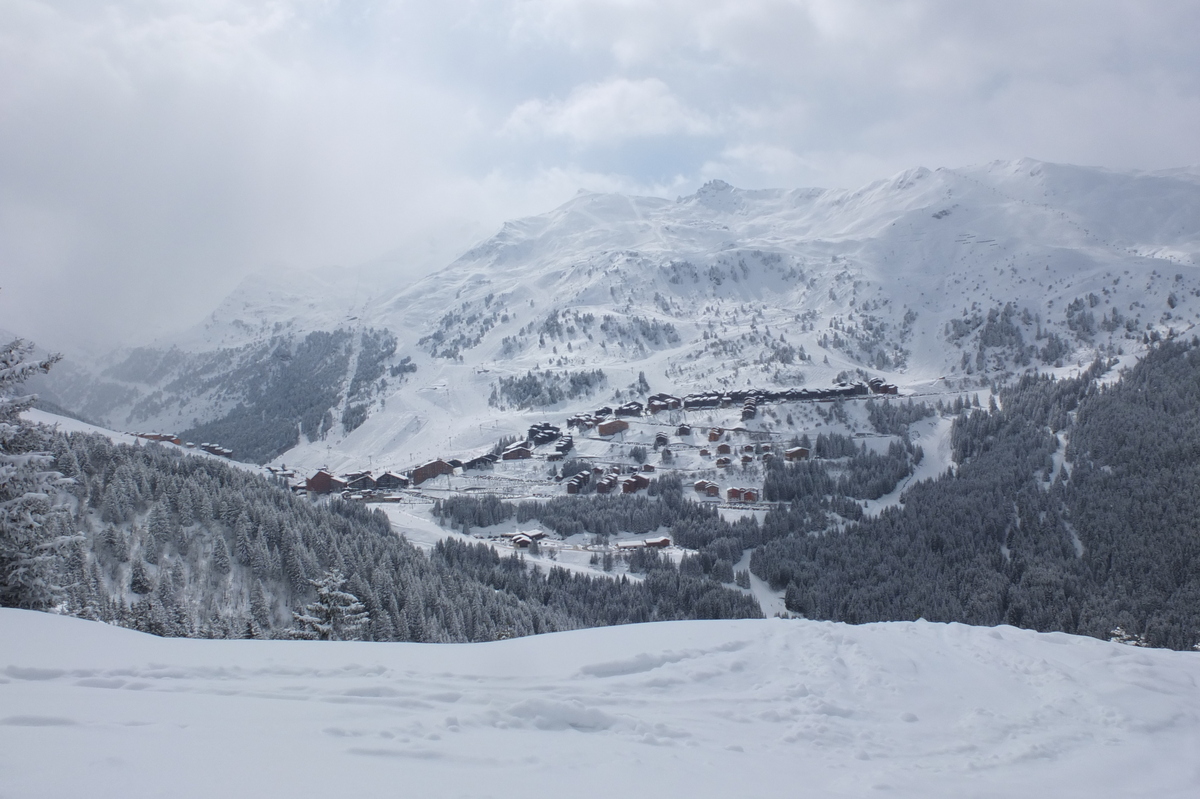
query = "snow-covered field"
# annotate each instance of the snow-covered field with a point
(689, 709)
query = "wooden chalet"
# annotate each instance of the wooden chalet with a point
(166, 438)
(482, 462)
(517, 452)
(635, 483)
(747, 459)
(734, 495)
(715, 433)
(723, 462)
(582, 421)
(359, 481)
(683, 430)
(390, 481)
(796, 453)
(712, 490)
(749, 495)
(611, 427)
(663, 402)
(705, 453)
(428, 471)
(724, 449)
(661, 542)
(543, 433)
(630, 409)
(323, 482)
(606, 484)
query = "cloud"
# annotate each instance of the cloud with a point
(153, 153)
(613, 111)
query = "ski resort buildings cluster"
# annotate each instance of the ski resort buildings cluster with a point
(720, 447)
(723, 448)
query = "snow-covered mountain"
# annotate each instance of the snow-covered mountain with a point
(933, 280)
(688, 709)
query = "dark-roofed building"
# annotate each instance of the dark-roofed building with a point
(359, 481)
(606, 484)
(663, 402)
(543, 433)
(482, 462)
(634, 484)
(630, 409)
(390, 481)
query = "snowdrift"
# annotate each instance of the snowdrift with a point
(697, 709)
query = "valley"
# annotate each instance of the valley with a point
(756, 390)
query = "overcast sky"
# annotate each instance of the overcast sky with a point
(154, 152)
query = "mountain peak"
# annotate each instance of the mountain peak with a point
(717, 195)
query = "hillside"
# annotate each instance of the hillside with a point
(180, 544)
(750, 708)
(937, 281)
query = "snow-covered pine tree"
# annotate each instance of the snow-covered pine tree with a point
(336, 615)
(28, 545)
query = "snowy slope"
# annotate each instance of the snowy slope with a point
(689, 709)
(730, 288)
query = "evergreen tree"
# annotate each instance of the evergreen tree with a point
(336, 615)
(139, 580)
(28, 547)
(220, 561)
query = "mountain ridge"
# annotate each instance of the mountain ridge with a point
(728, 287)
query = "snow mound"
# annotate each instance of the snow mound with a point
(749, 708)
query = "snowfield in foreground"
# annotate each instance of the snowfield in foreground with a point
(689, 709)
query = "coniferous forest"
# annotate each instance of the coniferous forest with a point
(1070, 507)
(181, 545)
